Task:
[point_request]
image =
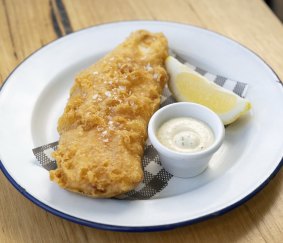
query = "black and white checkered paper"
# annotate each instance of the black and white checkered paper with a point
(156, 178)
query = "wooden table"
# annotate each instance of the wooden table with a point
(27, 25)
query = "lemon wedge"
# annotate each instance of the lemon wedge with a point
(188, 85)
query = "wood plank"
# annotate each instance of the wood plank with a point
(8, 58)
(253, 25)
(86, 13)
(27, 25)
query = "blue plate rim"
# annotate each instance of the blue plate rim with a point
(139, 228)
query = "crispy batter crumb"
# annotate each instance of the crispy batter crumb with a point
(104, 125)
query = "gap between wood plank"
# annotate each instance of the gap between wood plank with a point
(59, 17)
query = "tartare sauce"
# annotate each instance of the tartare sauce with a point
(185, 134)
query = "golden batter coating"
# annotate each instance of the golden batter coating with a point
(104, 125)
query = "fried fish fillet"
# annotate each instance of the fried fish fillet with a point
(104, 125)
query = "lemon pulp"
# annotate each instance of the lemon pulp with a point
(196, 89)
(188, 85)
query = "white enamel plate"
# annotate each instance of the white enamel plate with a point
(36, 92)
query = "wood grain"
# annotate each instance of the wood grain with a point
(27, 25)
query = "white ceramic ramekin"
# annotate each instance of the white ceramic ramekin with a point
(183, 164)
